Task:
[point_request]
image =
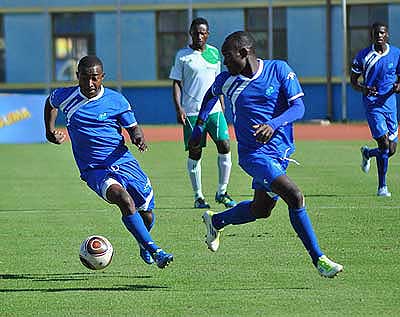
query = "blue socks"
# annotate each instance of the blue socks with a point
(299, 219)
(302, 225)
(134, 223)
(382, 159)
(237, 215)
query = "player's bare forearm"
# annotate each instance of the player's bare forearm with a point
(365, 90)
(396, 86)
(52, 134)
(137, 137)
(177, 95)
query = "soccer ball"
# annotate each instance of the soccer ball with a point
(96, 252)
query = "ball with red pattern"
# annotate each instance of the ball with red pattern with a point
(96, 252)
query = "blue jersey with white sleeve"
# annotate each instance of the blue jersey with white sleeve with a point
(380, 71)
(95, 126)
(258, 100)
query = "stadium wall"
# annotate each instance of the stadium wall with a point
(27, 36)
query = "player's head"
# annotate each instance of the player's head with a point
(238, 47)
(380, 33)
(90, 75)
(199, 32)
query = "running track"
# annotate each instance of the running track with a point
(301, 131)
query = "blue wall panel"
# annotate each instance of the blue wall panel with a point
(222, 22)
(152, 105)
(138, 47)
(106, 39)
(394, 24)
(315, 102)
(306, 40)
(26, 48)
(337, 42)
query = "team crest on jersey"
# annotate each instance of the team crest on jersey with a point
(269, 91)
(102, 116)
(390, 65)
(291, 76)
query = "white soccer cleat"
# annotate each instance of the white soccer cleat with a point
(212, 236)
(328, 268)
(365, 159)
(383, 192)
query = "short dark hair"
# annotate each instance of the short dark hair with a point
(198, 21)
(239, 40)
(89, 61)
(376, 25)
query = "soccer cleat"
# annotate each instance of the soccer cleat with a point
(225, 199)
(162, 258)
(328, 268)
(212, 236)
(146, 256)
(201, 203)
(366, 161)
(383, 192)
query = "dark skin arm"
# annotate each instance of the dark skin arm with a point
(396, 86)
(177, 94)
(137, 137)
(365, 90)
(50, 115)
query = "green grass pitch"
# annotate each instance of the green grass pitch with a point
(261, 269)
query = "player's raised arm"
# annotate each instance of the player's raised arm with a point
(137, 137)
(50, 116)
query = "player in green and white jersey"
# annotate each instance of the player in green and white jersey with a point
(193, 72)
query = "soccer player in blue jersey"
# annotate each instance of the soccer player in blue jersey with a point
(193, 72)
(379, 66)
(266, 98)
(95, 117)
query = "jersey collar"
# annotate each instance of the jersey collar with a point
(101, 93)
(258, 72)
(385, 52)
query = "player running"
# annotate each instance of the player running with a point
(95, 117)
(379, 65)
(266, 98)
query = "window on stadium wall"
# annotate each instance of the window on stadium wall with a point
(73, 38)
(360, 19)
(256, 22)
(172, 35)
(2, 51)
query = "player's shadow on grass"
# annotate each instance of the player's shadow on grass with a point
(71, 277)
(60, 277)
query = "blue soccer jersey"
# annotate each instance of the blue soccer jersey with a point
(94, 126)
(380, 71)
(259, 99)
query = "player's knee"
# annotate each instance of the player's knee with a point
(296, 199)
(392, 149)
(195, 153)
(119, 196)
(223, 147)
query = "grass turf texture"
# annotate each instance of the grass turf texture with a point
(260, 269)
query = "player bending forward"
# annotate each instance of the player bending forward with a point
(266, 99)
(95, 117)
